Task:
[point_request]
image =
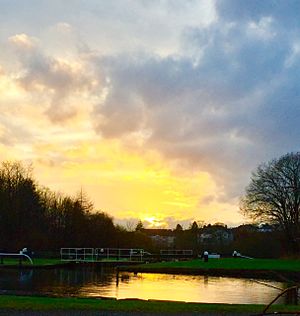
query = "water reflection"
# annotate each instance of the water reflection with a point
(198, 289)
(26, 276)
(87, 282)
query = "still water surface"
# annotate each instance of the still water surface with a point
(91, 282)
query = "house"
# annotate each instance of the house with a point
(215, 234)
(265, 228)
(160, 237)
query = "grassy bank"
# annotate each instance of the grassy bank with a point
(278, 269)
(47, 262)
(223, 263)
(8, 302)
(37, 262)
(231, 263)
(256, 268)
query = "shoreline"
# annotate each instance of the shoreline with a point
(281, 270)
(275, 275)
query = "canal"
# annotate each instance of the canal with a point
(93, 282)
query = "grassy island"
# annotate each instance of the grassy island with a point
(270, 268)
(276, 269)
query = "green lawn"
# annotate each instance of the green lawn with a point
(223, 263)
(36, 261)
(229, 263)
(48, 303)
(46, 261)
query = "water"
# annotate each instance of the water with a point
(90, 282)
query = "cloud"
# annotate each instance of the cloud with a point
(284, 11)
(63, 27)
(168, 222)
(217, 108)
(58, 79)
(23, 41)
(212, 86)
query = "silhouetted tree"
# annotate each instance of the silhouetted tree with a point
(273, 196)
(194, 227)
(40, 219)
(21, 215)
(178, 228)
(100, 231)
(139, 226)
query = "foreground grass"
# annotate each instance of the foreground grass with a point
(229, 263)
(50, 303)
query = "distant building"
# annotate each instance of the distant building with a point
(265, 228)
(215, 234)
(250, 228)
(160, 237)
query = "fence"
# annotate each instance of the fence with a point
(98, 254)
(175, 254)
(77, 254)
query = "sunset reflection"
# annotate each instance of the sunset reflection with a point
(206, 289)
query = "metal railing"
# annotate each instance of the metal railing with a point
(174, 252)
(77, 254)
(98, 254)
(119, 253)
(18, 255)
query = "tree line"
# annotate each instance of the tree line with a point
(35, 217)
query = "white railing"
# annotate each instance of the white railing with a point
(2, 254)
(119, 253)
(77, 254)
(97, 254)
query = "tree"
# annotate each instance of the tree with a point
(20, 210)
(178, 228)
(273, 196)
(194, 227)
(100, 230)
(139, 226)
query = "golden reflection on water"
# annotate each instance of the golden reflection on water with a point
(206, 289)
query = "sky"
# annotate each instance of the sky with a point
(158, 110)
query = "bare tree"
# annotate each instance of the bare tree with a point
(20, 211)
(273, 195)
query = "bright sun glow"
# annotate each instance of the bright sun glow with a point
(127, 184)
(152, 222)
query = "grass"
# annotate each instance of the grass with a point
(288, 265)
(47, 261)
(50, 303)
(229, 263)
(36, 261)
